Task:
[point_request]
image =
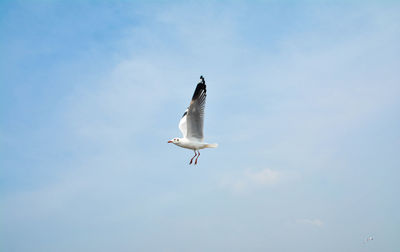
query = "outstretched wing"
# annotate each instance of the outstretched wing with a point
(195, 113)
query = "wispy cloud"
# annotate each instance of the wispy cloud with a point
(312, 222)
(251, 179)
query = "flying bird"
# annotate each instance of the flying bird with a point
(191, 123)
(369, 238)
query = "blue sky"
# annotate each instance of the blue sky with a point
(303, 99)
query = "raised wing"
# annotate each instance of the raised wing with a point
(183, 124)
(195, 112)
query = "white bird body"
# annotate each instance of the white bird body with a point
(191, 123)
(193, 144)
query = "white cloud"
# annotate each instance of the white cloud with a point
(311, 222)
(250, 179)
(264, 177)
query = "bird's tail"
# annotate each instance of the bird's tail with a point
(214, 145)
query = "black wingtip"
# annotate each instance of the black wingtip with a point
(202, 79)
(200, 88)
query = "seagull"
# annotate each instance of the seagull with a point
(369, 238)
(191, 123)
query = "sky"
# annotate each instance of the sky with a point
(303, 100)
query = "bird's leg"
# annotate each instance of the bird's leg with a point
(195, 162)
(191, 160)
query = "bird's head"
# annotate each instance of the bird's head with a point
(174, 140)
